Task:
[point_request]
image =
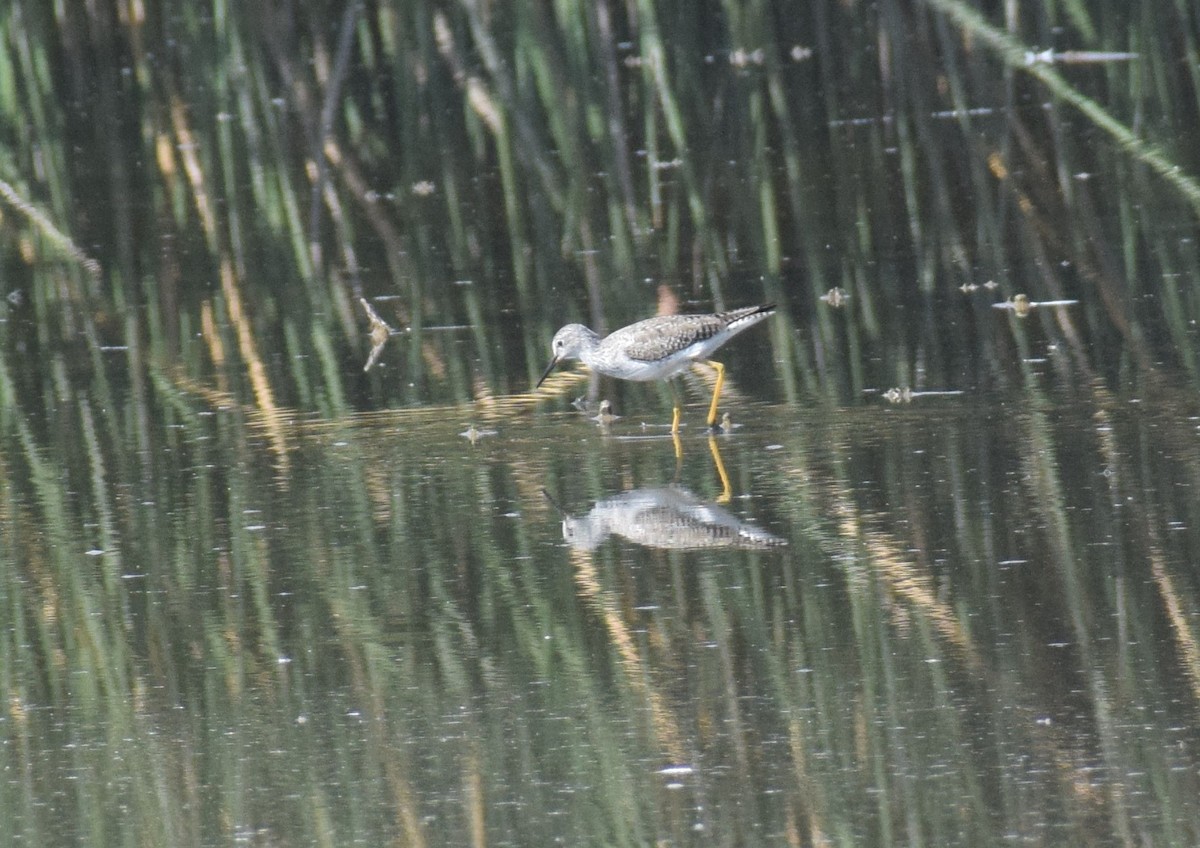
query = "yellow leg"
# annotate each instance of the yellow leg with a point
(678, 452)
(678, 407)
(712, 409)
(726, 489)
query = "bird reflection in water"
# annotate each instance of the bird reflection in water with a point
(668, 517)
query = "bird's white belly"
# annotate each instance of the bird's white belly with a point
(629, 369)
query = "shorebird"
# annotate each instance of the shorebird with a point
(657, 348)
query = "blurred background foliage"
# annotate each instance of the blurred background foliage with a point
(253, 169)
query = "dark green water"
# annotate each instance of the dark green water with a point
(252, 594)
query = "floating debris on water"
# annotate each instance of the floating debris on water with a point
(1076, 57)
(606, 416)
(835, 297)
(904, 394)
(380, 332)
(1022, 305)
(741, 57)
(473, 434)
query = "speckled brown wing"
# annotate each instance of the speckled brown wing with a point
(659, 337)
(669, 527)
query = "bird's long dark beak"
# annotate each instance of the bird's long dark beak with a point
(554, 503)
(549, 368)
